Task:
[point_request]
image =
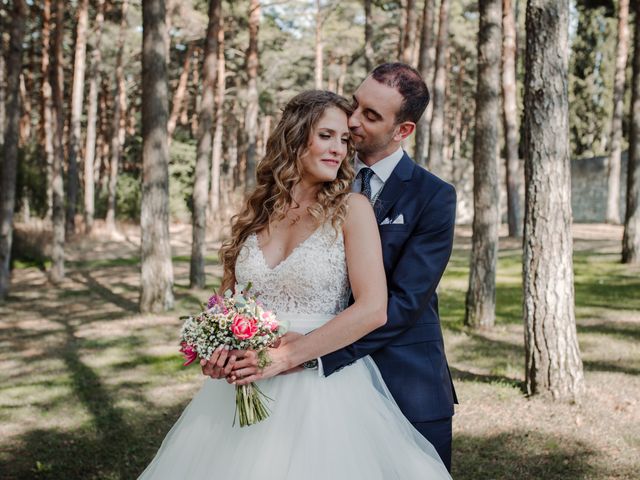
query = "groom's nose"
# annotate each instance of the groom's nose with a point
(354, 120)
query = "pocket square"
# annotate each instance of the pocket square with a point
(398, 220)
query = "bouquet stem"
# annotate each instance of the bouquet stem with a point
(250, 404)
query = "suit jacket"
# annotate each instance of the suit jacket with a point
(409, 349)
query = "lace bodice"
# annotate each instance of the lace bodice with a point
(311, 280)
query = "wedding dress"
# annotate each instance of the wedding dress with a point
(342, 427)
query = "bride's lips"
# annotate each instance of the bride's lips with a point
(331, 161)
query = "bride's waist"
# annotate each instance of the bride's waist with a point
(303, 322)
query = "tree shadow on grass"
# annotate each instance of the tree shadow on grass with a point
(123, 453)
(519, 454)
(105, 292)
(464, 375)
(626, 330)
(610, 367)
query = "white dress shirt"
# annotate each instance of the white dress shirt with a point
(382, 170)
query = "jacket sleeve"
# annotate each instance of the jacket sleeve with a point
(413, 281)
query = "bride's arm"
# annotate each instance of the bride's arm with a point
(369, 311)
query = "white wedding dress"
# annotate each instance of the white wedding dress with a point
(342, 427)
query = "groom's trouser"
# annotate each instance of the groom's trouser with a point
(439, 434)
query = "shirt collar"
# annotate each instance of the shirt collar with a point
(382, 168)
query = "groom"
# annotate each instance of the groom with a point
(416, 216)
(415, 211)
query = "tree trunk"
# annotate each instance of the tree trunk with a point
(319, 47)
(216, 155)
(615, 154)
(77, 94)
(409, 38)
(2, 82)
(47, 102)
(8, 174)
(631, 236)
(92, 120)
(457, 127)
(25, 119)
(251, 116)
(118, 126)
(196, 96)
(156, 272)
(102, 145)
(481, 296)
(426, 67)
(342, 76)
(205, 123)
(57, 82)
(553, 364)
(510, 119)
(436, 133)
(178, 97)
(368, 36)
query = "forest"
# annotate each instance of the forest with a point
(130, 133)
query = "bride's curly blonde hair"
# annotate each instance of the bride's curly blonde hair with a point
(280, 170)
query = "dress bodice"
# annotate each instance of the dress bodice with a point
(312, 280)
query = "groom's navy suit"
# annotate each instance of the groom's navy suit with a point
(409, 349)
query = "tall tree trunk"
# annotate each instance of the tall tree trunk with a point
(118, 131)
(156, 272)
(2, 82)
(181, 89)
(25, 119)
(409, 38)
(426, 67)
(57, 82)
(510, 119)
(9, 166)
(77, 94)
(342, 76)
(368, 36)
(553, 364)
(196, 96)
(92, 120)
(216, 154)
(47, 103)
(102, 145)
(481, 296)
(201, 177)
(251, 116)
(436, 133)
(457, 127)
(631, 236)
(614, 161)
(319, 47)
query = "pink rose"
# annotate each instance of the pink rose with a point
(269, 320)
(189, 353)
(243, 328)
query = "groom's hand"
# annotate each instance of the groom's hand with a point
(246, 364)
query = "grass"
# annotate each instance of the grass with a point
(89, 387)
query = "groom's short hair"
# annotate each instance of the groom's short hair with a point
(409, 83)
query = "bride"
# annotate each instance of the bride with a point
(306, 244)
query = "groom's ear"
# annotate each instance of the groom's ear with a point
(404, 130)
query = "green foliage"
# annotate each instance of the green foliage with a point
(592, 71)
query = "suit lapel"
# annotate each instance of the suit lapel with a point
(394, 187)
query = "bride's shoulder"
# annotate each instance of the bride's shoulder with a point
(358, 201)
(359, 210)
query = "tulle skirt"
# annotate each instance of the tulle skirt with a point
(342, 427)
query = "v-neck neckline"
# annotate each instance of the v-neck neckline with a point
(281, 262)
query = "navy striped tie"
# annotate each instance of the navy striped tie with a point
(365, 175)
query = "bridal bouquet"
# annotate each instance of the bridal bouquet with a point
(239, 321)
